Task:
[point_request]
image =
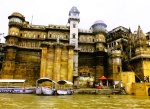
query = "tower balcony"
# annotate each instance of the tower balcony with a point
(116, 53)
(15, 24)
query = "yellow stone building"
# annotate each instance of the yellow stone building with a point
(68, 52)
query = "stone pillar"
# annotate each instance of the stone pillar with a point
(43, 62)
(70, 62)
(50, 61)
(64, 64)
(57, 62)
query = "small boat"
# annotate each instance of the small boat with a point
(16, 86)
(45, 89)
(65, 87)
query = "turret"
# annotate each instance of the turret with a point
(74, 14)
(16, 19)
(73, 20)
(99, 26)
(99, 29)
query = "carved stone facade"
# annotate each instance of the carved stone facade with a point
(67, 52)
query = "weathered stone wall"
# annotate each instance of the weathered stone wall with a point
(28, 65)
(139, 89)
(57, 61)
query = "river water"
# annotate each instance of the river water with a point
(76, 101)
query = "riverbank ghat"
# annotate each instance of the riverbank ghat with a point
(100, 91)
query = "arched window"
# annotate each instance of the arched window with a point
(44, 36)
(34, 36)
(50, 35)
(118, 69)
(54, 36)
(74, 25)
(29, 35)
(62, 36)
(74, 35)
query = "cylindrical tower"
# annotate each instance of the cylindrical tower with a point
(15, 23)
(99, 29)
(116, 63)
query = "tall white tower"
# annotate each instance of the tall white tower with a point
(74, 20)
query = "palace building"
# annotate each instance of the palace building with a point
(67, 52)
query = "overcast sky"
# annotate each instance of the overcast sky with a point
(127, 13)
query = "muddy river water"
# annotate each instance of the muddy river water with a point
(76, 101)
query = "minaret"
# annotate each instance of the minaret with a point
(74, 20)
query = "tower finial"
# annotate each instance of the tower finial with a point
(31, 19)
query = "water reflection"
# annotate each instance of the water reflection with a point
(77, 101)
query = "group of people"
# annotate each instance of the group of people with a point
(146, 78)
(118, 82)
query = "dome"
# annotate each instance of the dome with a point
(16, 14)
(99, 22)
(98, 26)
(74, 10)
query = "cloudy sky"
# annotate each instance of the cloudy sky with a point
(127, 13)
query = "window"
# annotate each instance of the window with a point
(25, 35)
(118, 69)
(34, 36)
(54, 36)
(73, 36)
(74, 25)
(44, 36)
(73, 42)
(74, 14)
